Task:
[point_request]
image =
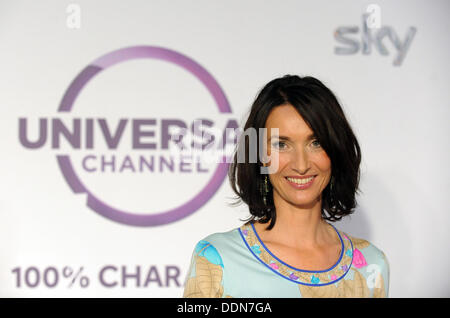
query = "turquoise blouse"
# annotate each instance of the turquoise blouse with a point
(238, 264)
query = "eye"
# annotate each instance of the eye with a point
(316, 143)
(277, 144)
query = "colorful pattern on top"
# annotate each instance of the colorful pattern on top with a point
(228, 269)
(306, 277)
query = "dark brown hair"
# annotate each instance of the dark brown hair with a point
(321, 110)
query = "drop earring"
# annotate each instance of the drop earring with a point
(331, 189)
(266, 190)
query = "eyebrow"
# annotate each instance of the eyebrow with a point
(308, 137)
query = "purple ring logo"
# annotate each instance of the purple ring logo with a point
(122, 55)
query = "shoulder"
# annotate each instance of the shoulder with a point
(369, 250)
(215, 245)
(223, 241)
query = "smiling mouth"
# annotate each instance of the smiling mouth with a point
(301, 180)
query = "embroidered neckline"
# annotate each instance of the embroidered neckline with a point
(299, 276)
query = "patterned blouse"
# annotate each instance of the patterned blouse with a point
(238, 264)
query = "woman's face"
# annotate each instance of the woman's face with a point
(304, 168)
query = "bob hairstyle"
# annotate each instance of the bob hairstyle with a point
(320, 109)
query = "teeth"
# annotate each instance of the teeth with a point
(300, 181)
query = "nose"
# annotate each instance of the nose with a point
(300, 162)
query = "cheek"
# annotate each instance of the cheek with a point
(279, 161)
(323, 162)
(283, 159)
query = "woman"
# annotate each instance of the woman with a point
(287, 248)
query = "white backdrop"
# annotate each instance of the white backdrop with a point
(400, 114)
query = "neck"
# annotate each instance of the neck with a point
(298, 226)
